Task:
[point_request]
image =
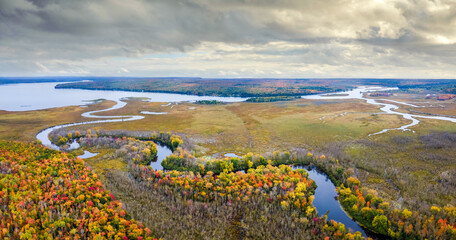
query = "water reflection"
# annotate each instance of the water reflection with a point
(162, 152)
(87, 154)
(326, 200)
(35, 96)
(386, 108)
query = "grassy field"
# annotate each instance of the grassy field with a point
(398, 171)
(23, 126)
(258, 127)
(399, 165)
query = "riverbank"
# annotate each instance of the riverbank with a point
(239, 128)
(214, 87)
(336, 214)
(387, 108)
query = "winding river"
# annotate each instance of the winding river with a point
(162, 150)
(35, 96)
(387, 108)
(326, 200)
(22, 97)
(43, 136)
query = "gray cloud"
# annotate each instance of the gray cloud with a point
(218, 38)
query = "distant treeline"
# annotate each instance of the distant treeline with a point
(209, 102)
(13, 80)
(437, 88)
(272, 99)
(240, 87)
(215, 87)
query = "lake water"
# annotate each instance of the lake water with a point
(35, 96)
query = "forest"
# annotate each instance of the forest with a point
(230, 120)
(207, 183)
(379, 179)
(212, 87)
(253, 87)
(46, 194)
(68, 200)
(271, 99)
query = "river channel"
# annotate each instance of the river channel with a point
(387, 108)
(22, 97)
(326, 200)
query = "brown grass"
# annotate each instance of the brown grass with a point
(24, 126)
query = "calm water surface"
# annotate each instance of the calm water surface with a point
(162, 152)
(326, 200)
(231, 155)
(35, 96)
(87, 154)
(387, 108)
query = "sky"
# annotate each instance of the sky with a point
(229, 38)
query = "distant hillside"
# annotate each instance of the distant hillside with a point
(248, 87)
(12, 80)
(214, 87)
(239, 87)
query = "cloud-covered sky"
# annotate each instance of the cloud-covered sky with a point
(229, 38)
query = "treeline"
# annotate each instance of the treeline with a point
(379, 216)
(444, 86)
(46, 195)
(129, 149)
(62, 136)
(209, 102)
(257, 205)
(272, 99)
(182, 160)
(213, 87)
(363, 205)
(14, 80)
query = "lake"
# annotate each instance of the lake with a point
(35, 96)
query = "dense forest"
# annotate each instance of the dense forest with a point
(272, 99)
(49, 194)
(213, 87)
(46, 194)
(65, 199)
(226, 188)
(252, 87)
(13, 80)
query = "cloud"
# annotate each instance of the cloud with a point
(238, 38)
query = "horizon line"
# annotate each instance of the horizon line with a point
(226, 78)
